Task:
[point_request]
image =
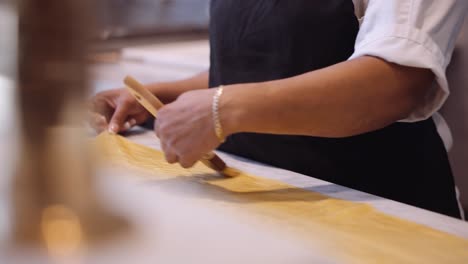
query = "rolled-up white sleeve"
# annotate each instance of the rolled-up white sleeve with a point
(414, 33)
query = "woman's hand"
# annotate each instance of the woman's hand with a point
(185, 128)
(116, 110)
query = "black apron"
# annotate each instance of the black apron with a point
(262, 40)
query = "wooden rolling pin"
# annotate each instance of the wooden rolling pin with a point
(151, 103)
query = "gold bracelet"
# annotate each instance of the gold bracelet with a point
(216, 120)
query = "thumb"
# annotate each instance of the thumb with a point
(119, 118)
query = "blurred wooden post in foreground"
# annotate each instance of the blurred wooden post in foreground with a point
(54, 197)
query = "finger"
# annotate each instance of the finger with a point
(128, 125)
(102, 107)
(171, 158)
(117, 123)
(134, 120)
(140, 118)
(97, 122)
(187, 163)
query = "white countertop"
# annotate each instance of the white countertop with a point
(434, 220)
(165, 223)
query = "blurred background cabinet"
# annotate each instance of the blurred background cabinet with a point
(124, 18)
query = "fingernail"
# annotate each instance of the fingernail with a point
(113, 129)
(132, 122)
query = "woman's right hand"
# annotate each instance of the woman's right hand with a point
(116, 111)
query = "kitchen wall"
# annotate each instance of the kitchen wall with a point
(8, 39)
(140, 17)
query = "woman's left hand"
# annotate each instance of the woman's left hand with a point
(185, 128)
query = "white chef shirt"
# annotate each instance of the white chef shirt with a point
(415, 33)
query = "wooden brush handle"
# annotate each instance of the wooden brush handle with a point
(148, 100)
(151, 103)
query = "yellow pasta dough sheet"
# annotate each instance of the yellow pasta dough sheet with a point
(356, 231)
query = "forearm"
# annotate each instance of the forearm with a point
(167, 92)
(343, 100)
